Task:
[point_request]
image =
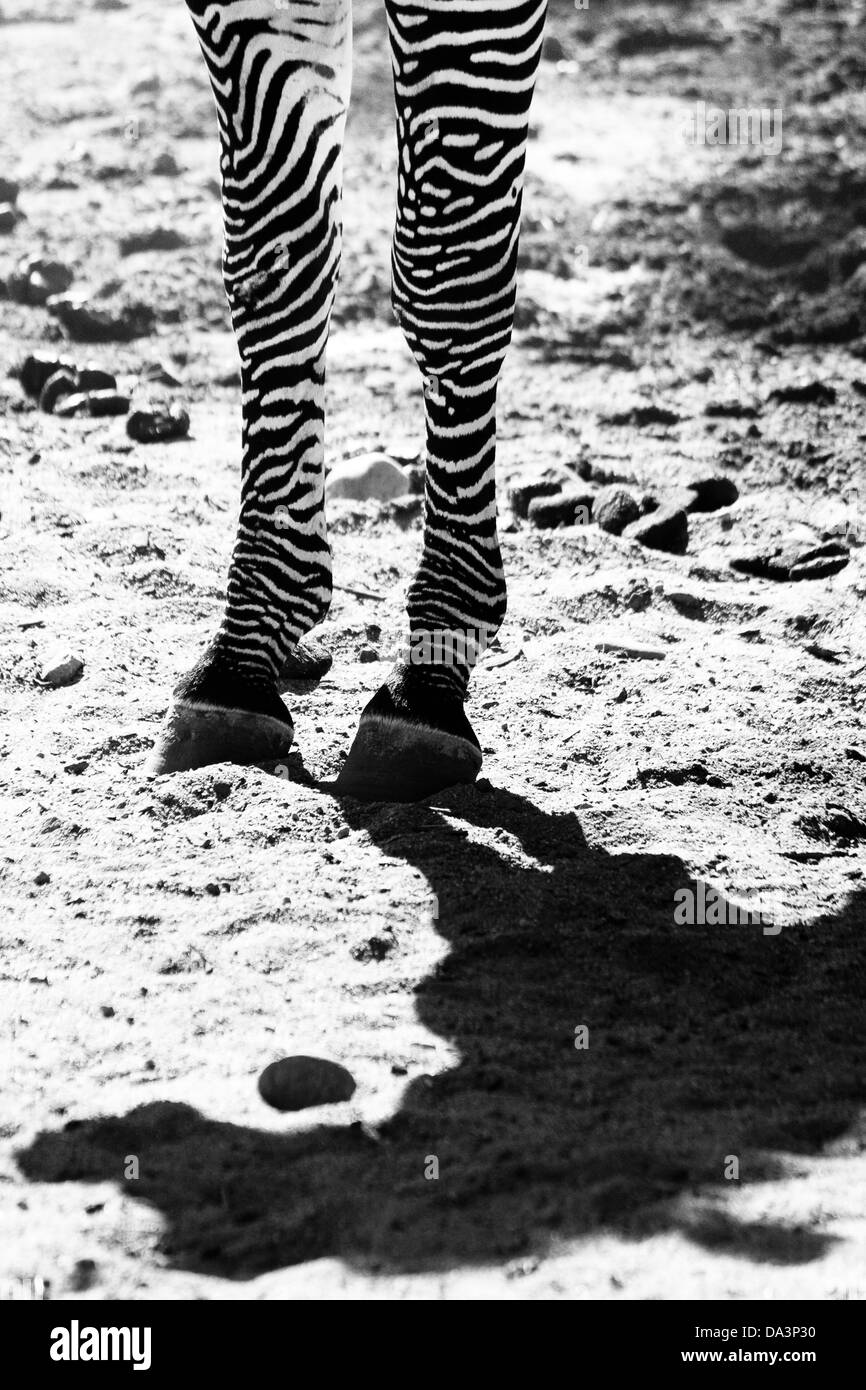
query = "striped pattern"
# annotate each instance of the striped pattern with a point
(464, 72)
(280, 70)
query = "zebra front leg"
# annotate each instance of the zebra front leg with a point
(464, 74)
(281, 73)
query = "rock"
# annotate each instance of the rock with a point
(57, 386)
(614, 508)
(36, 370)
(712, 491)
(416, 478)
(308, 660)
(86, 322)
(552, 50)
(9, 190)
(296, 1083)
(640, 416)
(41, 878)
(151, 424)
(635, 649)
(101, 403)
(692, 605)
(566, 508)
(405, 510)
(165, 165)
(368, 476)
(665, 529)
(792, 562)
(152, 239)
(36, 280)
(366, 654)
(8, 217)
(735, 410)
(93, 378)
(522, 494)
(809, 393)
(61, 669)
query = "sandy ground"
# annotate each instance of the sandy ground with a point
(164, 940)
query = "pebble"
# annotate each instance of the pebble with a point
(106, 403)
(366, 654)
(666, 529)
(62, 669)
(150, 424)
(614, 509)
(42, 878)
(36, 279)
(369, 476)
(8, 217)
(165, 164)
(636, 649)
(570, 508)
(57, 386)
(307, 660)
(36, 369)
(296, 1083)
(808, 393)
(712, 491)
(152, 239)
(9, 190)
(792, 562)
(93, 378)
(522, 494)
(92, 323)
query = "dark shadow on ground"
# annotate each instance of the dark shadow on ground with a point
(704, 1042)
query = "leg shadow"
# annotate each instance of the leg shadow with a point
(704, 1043)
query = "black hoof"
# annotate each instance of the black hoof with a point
(412, 741)
(195, 735)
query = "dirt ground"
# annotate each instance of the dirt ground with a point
(163, 940)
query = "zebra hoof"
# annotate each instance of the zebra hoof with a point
(195, 735)
(408, 746)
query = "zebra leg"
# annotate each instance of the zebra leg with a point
(464, 74)
(280, 72)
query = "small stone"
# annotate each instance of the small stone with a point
(75, 769)
(8, 217)
(62, 669)
(152, 239)
(308, 660)
(642, 416)
(552, 50)
(712, 491)
(95, 323)
(296, 1083)
(213, 889)
(36, 369)
(808, 393)
(614, 509)
(373, 632)
(42, 878)
(416, 477)
(667, 529)
(9, 190)
(36, 279)
(153, 424)
(84, 1274)
(563, 509)
(106, 1010)
(639, 650)
(93, 378)
(165, 165)
(101, 403)
(522, 494)
(61, 384)
(369, 476)
(690, 604)
(367, 654)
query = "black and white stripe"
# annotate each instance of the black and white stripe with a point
(464, 72)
